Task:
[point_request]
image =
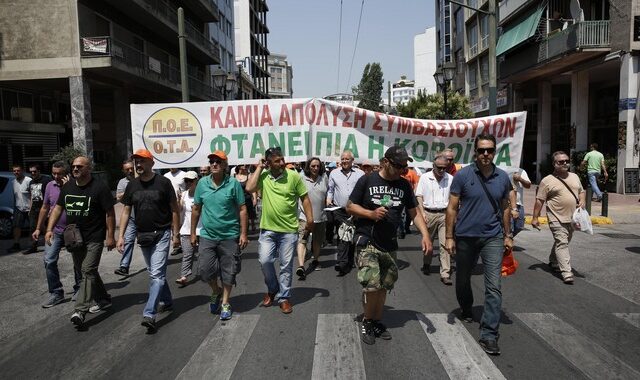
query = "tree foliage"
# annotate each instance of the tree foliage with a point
(432, 107)
(67, 154)
(369, 91)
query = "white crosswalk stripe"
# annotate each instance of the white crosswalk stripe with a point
(217, 356)
(338, 353)
(594, 361)
(459, 353)
(631, 318)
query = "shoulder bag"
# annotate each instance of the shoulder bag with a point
(72, 237)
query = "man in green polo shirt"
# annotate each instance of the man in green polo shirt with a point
(594, 161)
(281, 189)
(219, 199)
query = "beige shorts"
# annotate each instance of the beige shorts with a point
(319, 231)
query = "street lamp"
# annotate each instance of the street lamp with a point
(225, 82)
(443, 76)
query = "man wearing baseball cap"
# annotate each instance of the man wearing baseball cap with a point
(219, 200)
(377, 201)
(153, 199)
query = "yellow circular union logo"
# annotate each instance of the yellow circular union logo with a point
(173, 134)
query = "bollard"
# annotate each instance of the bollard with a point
(587, 205)
(605, 204)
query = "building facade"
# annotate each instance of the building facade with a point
(402, 91)
(71, 76)
(573, 66)
(250, 29)
(280, 77)
(425, 61)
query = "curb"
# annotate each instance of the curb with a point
(594, 220)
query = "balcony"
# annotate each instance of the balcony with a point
(125, 62)
(207, 10)
(579, 36)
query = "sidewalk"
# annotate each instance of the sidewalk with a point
(623, 209)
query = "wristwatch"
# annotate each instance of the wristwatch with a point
(510, 235)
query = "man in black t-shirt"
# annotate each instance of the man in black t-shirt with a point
(153, 200)
(377, 201)
(36, 192)
(88, 204)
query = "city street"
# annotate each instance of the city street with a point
(548, 330)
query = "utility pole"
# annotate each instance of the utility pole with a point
(184, 77)
(493, 72)
(389, 95)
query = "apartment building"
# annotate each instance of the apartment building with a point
(573, 65)
(402, 90)
(70, 69)
(280, 77)
(250, 27)
(424, 61)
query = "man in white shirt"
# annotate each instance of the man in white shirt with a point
(520, 181)
(432, 193)
(176, 176)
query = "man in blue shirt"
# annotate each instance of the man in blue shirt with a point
(479, 209)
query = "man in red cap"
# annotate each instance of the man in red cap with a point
(154, 202)
(220, 201)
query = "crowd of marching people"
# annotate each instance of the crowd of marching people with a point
(295, 209)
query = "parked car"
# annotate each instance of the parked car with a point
(6, 204)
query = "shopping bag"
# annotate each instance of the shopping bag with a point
(582, 221)
(509, 263)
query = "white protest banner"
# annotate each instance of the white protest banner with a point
(183, 134)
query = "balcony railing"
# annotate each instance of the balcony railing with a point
(581, 35)
(142, 65)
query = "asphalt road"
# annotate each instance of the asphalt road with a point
(588, 330)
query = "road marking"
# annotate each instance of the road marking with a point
(459, 353)
(338, 354)
(220, 351)
(631, 318)
(594, 361)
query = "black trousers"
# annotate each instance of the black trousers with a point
(344, 250)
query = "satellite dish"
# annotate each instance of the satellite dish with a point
(576, 11)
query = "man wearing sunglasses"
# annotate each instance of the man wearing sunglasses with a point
(153, 199)
(281, 191)
(433, 195)
(377, 201)
(88, 204)
(478, 223)
(563, 192)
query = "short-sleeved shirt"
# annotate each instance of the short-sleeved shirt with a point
(412, 176)
(21, 193)
(317, 192)
(280, 200)
(177, 180)
(151, 200)
(36, 190)
(594, 161)
(87, 206)
(186, 203)
(341, 185)
(476, 216)
(220, 215)
(560, 202)
(373, 191)
(122, 185)
(51, 195)
(518, 186)
(434, 193)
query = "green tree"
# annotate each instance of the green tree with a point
(67, 154)
(432, 107)
(369, 91)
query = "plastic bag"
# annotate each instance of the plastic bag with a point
(509, 263)
(582, 221)
(346, 230)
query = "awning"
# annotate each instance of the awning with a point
(519, 32)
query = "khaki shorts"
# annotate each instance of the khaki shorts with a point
(318, 232)
(376, 269)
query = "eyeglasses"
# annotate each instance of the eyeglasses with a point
(562, 162)
(398, 166)
(440, 168)
(77, 166)
(216, 161)
(486, 150)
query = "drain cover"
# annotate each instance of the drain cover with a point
(620, 236)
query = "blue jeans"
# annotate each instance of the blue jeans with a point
(279, 245)
(155, 257)
(129, 240)
(51, 255)
(517, 225)
(490, 250)
(593, 182)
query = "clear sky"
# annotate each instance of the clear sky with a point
(307, 32)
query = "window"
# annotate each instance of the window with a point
(472, 37)
(484, 32)
(9, 101)
(473, 77)
(459, 28)
(484, 69)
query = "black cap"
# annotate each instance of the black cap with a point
(397, 154)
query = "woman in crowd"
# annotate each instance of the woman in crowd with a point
(250, 199)
(185, 203)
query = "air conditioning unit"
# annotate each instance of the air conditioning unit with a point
(22, 114)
